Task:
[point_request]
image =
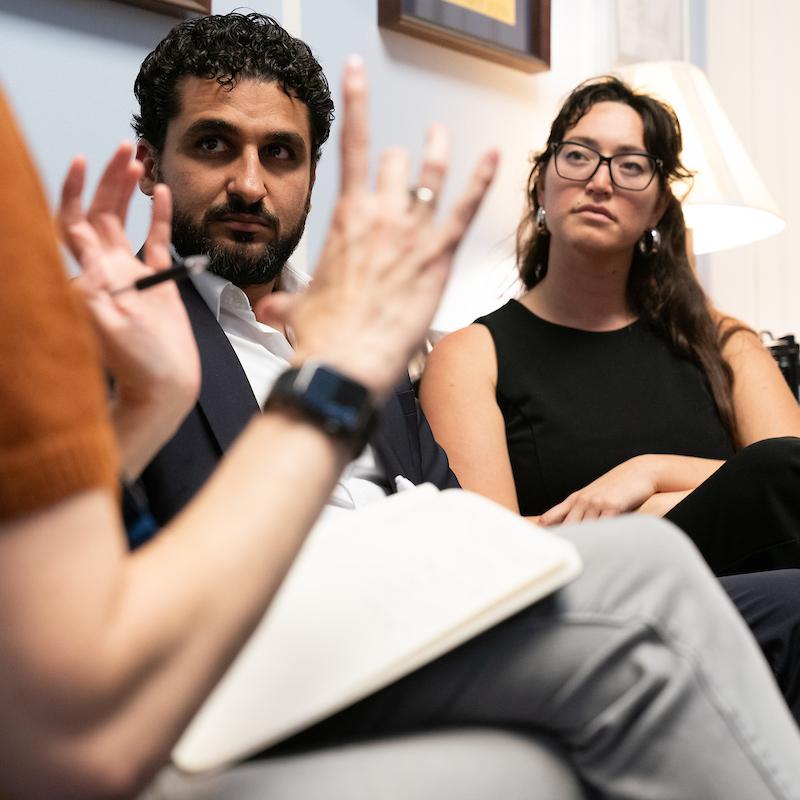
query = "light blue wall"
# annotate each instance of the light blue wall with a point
(69, 67)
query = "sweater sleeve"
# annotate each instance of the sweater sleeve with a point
(55, 434)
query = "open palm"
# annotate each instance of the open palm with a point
(146, 336)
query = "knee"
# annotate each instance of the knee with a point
(772, 597)
(642, 566)
(639, 543)
(665, 548)
(771, 458)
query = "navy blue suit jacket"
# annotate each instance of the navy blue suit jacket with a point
(403, 442)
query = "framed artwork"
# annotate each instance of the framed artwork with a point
(511, 32)
(174, 7)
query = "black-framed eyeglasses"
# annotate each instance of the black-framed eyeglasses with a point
(579, 162)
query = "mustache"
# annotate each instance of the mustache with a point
(256, 210)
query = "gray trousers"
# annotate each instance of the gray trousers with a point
(640, 672)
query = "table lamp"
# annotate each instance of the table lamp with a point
(728, 204)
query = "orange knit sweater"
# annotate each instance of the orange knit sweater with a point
(55, 435)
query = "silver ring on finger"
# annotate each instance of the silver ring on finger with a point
(422, 196)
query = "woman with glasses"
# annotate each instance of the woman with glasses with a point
(612, 384)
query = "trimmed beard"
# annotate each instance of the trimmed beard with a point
(236, 261)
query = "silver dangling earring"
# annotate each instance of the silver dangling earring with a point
(650, 242)
(541, 221)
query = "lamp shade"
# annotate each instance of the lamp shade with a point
(728, 204)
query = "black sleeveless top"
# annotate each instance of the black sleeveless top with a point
(577, 403)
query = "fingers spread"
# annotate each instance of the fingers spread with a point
(69, 211)
(115, 187)
(127, 187)
(434, 163)
(355, 129)
(467, 205)
(392, 181)
(156, 248)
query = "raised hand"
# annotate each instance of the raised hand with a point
(386, 261)
(146, 336)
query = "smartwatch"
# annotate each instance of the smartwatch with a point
(341, 406)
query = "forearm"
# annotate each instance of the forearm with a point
(458, 396)
(133, 651)
(643, 483)
(231, 547)
(662, 503)
(143, 425)
(670, 473)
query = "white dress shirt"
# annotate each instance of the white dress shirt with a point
(264, 353)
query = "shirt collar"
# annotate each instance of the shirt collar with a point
(212, 287)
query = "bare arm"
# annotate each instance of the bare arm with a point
(119, 650)
(651, 483)
(763, 407)
(662, 503)
(458, 397)
(107, 655)
(763, 404)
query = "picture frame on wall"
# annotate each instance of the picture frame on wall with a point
(511, 32)
(176, 8)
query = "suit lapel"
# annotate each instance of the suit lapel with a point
(226, 399)
(396, 439)
(227, 402)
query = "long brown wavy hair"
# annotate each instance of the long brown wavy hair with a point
(662, 289)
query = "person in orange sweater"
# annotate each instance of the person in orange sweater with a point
(107, 654)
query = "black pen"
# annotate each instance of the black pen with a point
(184, 267)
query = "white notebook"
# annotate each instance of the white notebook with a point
(373, 595)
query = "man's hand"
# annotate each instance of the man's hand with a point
(385, 262)
(146, 336)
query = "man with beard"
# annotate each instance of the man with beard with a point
(234, 112)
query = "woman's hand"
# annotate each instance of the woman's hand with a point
(146, 336)
(621, 489)
(385, 262)
(650, 483)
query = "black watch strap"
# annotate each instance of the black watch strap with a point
(339, 405)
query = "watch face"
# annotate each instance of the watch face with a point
(337, 397)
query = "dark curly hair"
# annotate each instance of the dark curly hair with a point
(662, 289)
(226, 48)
